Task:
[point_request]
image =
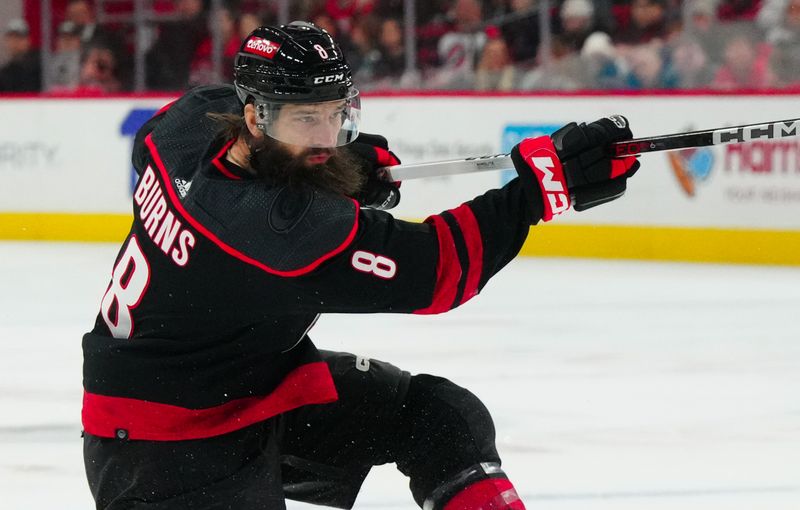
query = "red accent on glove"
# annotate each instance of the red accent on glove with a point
(540, 155)
(620, 166)
(385, 158)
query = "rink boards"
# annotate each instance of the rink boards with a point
(66, 175)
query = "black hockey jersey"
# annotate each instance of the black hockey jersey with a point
(203, 327)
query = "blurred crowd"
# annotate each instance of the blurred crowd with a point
(499, 45)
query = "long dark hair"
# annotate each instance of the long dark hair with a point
(230, 125)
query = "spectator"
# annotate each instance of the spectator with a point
(82, 14)
(365, 54)
(426, 11)
(701, 24)
(392, 61)
(495, 70)
(577, 22)
(770, 15)
(65, 63)
(604, 19)
(344, 12)
(493, 10)
(780, 26)
(785, 60)
(169, 60)
(431, 31)
(248, 21)
(460, 48)
(605, 69)
(745, 64)
(738, 10)
(394, 9)
(690, 64)
(521, 30)
(326, 22)
(23, 71)
(648, 22)
(647, 69)
(563, 71)
(202, 68)
(99, 71)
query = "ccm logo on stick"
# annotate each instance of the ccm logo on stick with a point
(553, 188)
(747, 133)
(263, 47)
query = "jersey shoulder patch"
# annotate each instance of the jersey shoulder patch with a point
(282, 230)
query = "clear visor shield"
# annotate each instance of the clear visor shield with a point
(313, 125)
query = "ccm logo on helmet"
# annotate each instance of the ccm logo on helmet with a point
(331, 78)
(263, 47)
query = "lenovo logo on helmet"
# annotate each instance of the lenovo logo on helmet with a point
(331, 78)
(262, 47)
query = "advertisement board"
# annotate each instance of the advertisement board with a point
(65, 168)
(69, 156)
(750, 185)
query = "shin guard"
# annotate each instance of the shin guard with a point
(481, 487)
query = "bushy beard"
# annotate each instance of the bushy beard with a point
(340, 174)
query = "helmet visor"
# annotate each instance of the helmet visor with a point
(315, 125)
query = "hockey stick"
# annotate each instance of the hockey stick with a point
(736, 134)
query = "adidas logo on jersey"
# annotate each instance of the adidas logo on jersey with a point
(183, 187)
(158, 219)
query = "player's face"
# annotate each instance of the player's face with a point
(327, 169)
(304, 126)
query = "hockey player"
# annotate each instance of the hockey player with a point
(258, 208)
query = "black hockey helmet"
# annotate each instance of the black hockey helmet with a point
(298, 63)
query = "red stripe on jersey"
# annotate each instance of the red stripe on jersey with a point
(103, 416)
(165, 108)
(448, 269)
(229, 249)
(220, 166)
(472, 238)
(492, 493)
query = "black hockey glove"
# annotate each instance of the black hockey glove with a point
(573, 166)
(373, 152)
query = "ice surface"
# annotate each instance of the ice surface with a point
(614, 385)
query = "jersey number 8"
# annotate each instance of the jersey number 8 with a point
(129, 281)
(378, 265)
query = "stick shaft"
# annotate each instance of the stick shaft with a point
(677, 141)
(719, 136)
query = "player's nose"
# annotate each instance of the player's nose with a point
(324, 136)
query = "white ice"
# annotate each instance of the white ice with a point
(613, 384)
